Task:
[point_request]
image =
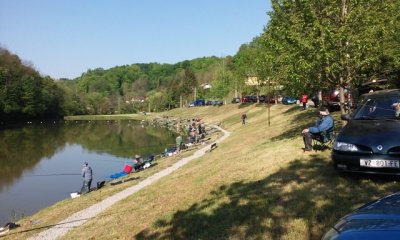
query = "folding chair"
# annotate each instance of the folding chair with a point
(324, 140)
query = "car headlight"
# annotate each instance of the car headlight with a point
(346, 147)
(330, 235)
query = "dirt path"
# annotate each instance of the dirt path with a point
(79, 218)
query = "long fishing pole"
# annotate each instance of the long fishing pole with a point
(54, 174)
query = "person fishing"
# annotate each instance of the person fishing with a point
(138, 162)
(179, 142)
(87, 175)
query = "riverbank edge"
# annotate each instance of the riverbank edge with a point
(161, 120)
(108, 117)
(79, 218)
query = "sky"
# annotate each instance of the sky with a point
(63, 39)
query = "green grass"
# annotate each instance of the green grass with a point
(258, 184)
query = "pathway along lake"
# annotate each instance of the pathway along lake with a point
(40, 163)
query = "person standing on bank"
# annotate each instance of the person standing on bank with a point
(178, 144)
(324, 123)
(87, 175)
(304, 99)
(244, 116)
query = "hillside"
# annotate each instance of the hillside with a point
(258, 184)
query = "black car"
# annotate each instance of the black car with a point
(262, 98)
(218, 103)
(379, 219)
(252, 99)
(370, 141)
(209, 103)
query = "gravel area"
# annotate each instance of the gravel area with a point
(79, 218)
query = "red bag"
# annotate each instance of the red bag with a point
(128, 168)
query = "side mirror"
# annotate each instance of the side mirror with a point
(345, 117)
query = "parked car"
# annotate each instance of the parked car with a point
(209, 103)
(252, 98)
(249, 99)
(288, 100)
(314, 98)
(218, 103)
(378, 219)
(198, 102)
(369, 142)
(374, 85)
(272, 99)
(331, 99)
(262, 98)
(235, 100)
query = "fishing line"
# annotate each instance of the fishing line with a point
(117, 161)
(54, 174)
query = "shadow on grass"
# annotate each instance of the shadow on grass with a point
(298, 202)
(302, 120)
(257, 104)
(293, 108)
(244, 105)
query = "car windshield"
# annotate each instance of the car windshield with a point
(387, 108)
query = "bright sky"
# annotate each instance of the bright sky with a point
(63, 39)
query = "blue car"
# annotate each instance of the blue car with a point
(198, 102)
(379, 219)
(288, 100)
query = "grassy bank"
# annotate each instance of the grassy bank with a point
(258, 184)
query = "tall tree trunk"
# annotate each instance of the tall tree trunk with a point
(341, 96)
(343, 77)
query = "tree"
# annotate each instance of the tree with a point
(24, 94)
(315, 44)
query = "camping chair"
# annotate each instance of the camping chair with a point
(324, 140)
(145, 163)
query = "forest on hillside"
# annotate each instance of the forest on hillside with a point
(24, 94)
(154, 86)
(306, 46)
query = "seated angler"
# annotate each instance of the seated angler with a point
(324, 124)
(137, 162)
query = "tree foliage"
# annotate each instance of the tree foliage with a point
(309, 45)
(24, 94)
(162, 85)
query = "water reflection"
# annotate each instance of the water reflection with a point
(39, 162)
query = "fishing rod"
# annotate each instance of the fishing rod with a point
(54, 174)
(117, 161)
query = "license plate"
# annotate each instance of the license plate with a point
(379, 163)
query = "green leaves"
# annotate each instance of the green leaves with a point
(327, 43)
(24, 94)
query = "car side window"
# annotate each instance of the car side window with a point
(384, 109)
(379, 108)
(367, 109)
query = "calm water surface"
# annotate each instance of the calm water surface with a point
(40, 163)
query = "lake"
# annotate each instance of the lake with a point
(40, 163)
